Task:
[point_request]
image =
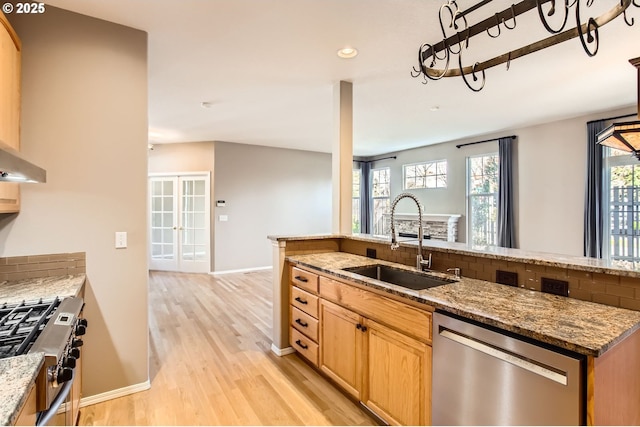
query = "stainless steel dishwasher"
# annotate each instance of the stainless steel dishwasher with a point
(485, 376)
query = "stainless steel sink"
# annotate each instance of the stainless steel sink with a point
(408, 279)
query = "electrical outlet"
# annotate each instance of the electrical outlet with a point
(121, 239)
(554, 286)
(506, 278)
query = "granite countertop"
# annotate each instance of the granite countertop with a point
(580, 326)
(16, 291)
(594, 265)
(18, 374)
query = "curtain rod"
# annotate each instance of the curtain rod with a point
(612, 118)
(486, 140)
(375, 160)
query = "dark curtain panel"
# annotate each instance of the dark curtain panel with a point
(506, 227)
(593, 221)
(365, 197)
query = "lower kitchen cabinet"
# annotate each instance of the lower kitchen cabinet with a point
(399, 376)
(28, 414)
(341, 347)
(384, 367)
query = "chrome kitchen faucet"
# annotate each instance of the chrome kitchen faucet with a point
(420, 262)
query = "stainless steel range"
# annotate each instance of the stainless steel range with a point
(52, 327)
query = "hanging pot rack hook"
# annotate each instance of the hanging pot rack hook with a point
(497, 26)
(513, 18)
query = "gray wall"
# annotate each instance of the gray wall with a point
(549, 181)
(84, 119)
(186, 157)
(268, 191)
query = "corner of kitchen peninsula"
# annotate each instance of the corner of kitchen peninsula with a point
(38, 293)
(599, 321)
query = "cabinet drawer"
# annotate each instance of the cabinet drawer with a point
(402, 317)
(304, 323)
(304, 346)
(304, 301)
(304, 280)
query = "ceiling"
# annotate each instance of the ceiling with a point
(268, 68)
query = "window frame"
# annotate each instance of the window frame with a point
(426, 163)
(372, 208)
(470, 197)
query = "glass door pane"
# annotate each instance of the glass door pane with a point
(163, 223)
(193, 217)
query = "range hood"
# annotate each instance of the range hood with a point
(624, 136)
(14, 168)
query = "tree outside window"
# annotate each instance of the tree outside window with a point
(380, 193)
(482, 194)
(355, 202)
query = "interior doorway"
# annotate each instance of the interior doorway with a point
(179, 221)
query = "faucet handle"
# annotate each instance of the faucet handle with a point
(456, 272)
(394, 246)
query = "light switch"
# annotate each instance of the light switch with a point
(121, 239)
(223, 217)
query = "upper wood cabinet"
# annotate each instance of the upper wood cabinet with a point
(10, 58)
(9, 85)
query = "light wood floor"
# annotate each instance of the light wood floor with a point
(211, 364)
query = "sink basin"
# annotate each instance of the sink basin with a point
(408, 279)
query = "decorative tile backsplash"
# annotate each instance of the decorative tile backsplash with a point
(34, 266)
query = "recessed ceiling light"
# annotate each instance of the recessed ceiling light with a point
(348, 52)
(434, 108)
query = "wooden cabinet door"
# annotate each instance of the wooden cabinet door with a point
(398, 381)
(341, 343)
(9, 85)
(9, 107)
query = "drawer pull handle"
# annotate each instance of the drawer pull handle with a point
(302, 279)
(301, 301)
(301, 323)
(304, 347)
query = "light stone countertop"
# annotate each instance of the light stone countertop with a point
(593, 265)
(18, 374)
(16, 291)
(580, 326)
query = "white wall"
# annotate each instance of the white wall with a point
(268, 191)
(84, 119)
(549, 181)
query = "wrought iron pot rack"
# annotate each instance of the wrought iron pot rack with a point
(432, 66)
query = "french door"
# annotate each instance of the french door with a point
(179, 210)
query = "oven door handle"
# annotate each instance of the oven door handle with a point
(45, 416)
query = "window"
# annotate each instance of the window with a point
(425, 175)
(355, 202)
(482, 197)
(622, 208)
(380, 191)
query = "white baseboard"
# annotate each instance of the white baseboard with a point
(282, 351)
(242, 270)
(113, 394)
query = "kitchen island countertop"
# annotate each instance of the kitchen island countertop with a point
(18, 374)
(580, 326)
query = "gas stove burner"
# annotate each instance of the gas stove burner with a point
(21, 324)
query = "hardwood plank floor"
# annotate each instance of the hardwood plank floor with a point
(211, 363)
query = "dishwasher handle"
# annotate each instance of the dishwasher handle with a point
(504, 355)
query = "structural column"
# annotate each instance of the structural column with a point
(342, 157)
